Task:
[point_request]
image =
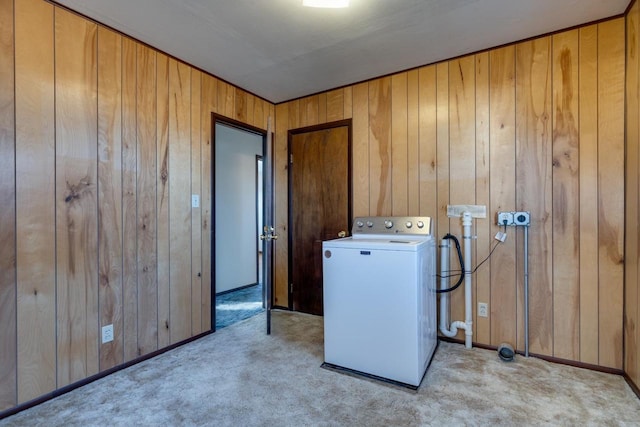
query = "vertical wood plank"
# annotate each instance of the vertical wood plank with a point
(632, 203)
(502, 178)
(588, 129)
(335, 105)
(534, 190)
(129, 191)
(8, 331)
(308, 113)
(196, 212)
(611, 176)
(380, 146)
(442, 151)
(399, 145)
(76, 193)
(566, 203)
(322, 107)
(258, 113)
(241, 107)
(281, 166)
(226, 99)
(482, 291)
(360, 147)
(462, 155)
(427, 148)
(413, 142)
(110, 193)
(250, 110)
(348, 102)
(162, 200)
(180, 200)
(146, 115)
(208, 102)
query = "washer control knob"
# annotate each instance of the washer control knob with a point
(409, 224)
(388, 223)
(360, 224)
(420, 224)
(369, 224)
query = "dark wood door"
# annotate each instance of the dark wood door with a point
(320, 208)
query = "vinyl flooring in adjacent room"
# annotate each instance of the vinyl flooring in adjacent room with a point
(237, 305)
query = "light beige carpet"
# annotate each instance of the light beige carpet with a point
(241, 377)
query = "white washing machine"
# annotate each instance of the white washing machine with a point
(380, 299)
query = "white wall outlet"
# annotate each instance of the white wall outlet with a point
(107, 334)
(195, 200)
(505, 218)
(483, 309)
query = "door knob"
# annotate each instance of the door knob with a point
(342, 233)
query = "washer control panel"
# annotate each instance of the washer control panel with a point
(420, 225)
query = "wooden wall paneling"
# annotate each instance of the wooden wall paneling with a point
(129, 191)
(442, 148)
(269, 112)
(413, 142)
(110, 193)
(209, 99)
(8, 306)
(484, 242)
(259, 107)
(534, 190)
(226, 99)
(360, 148)
(76, 194)
(146, 118)
(611, 189)
(251, 100)
(566, 203)
(588, 167)
(399, 145)
(380, 147)
(180, 200)
(281, 167)
(462, 157)
(308, 112)
(34, 211)
(240, 102)
(441, 221)
(631, 199)
(196, 212)
(502, 197)
(427, 149)
(335, 105)
(162, 200)
(322, 107)
(348, 102)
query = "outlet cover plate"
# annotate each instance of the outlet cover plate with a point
(483, 309)
(107, 334)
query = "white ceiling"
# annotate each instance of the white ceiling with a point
(279, 50)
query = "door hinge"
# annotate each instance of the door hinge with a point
(290, 287)
(291, 158)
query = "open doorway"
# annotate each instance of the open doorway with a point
(238, 191)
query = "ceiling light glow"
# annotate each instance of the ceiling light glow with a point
(326, 3)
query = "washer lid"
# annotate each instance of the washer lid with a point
(380, 242)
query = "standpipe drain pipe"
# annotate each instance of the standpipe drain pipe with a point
(466, 235)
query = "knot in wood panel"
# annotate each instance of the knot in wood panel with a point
(77, 191)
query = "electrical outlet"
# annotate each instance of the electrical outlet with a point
(522, 218)
(505, 218)
(107, 334)
(483, 309)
